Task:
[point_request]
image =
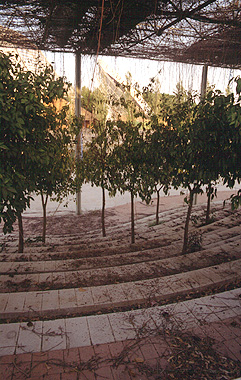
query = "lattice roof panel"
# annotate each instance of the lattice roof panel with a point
(191, 31)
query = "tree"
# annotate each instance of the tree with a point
(159, 168)
(182, 150)
(87, 98)
(54, 169)
(232, 171)
(205, 148)
(20, 114)
(100, 105)
(54, 174)
(127, 163)
(211, 133)
(152, 95)
(96, 163)
(95, 102)
(27, 114)
(156, 168)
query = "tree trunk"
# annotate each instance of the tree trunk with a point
(44, 205)
(157, 207)
(132, 219)
(103, 213)
(209, 194)
(20, 234)
(185, 241)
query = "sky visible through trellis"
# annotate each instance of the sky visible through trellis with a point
(168, 73)
(191, 31)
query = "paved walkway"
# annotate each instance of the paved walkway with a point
(28, 348)
(91, 199)
(41, 336)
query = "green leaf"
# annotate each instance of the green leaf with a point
(238, 88)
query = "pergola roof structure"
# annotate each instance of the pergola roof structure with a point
(189, 31)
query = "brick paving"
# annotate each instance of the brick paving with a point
(103, 361)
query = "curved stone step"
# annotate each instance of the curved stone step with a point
(155, 246)
(197, 316)
(110, 243)
(149, 256)
(103, 270)
(130, 294)
(170, 219)
(208, 242)
(133, 263)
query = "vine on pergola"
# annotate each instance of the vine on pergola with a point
(190, 31)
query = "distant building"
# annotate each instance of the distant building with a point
(88, 117)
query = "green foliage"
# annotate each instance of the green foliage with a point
(100, 105)
(232, 170)
(127, 158)
(19, 111)
(128, 164)
(96, 157)
(152, 95)
(234, 166)
(54, 170)
(95, 102)
(236, 200)
(87, 99)
(201, 149)
(194, 242)
(185, 143)
(95, 166)
(34, 143)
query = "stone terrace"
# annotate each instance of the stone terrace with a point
(82, 291)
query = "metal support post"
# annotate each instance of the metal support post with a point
(79, 143)
(203, 92)
(204, 81)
